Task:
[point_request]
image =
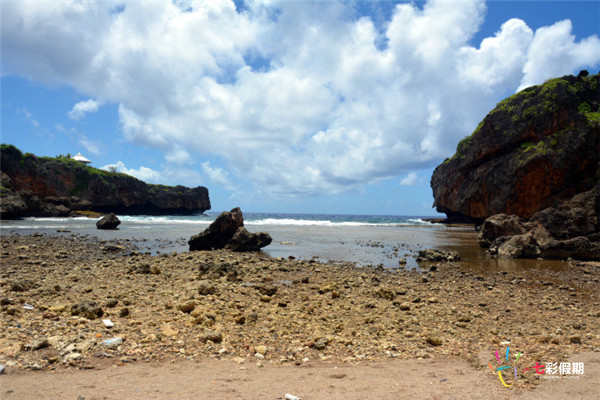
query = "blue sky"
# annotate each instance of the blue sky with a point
(278, 106)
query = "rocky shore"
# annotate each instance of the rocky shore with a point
(62, 298)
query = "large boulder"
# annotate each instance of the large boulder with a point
(219, 233)
(247, 241)
(500, 225)
(571, 230)
(576, 217)
(109, 221)
(227, 231)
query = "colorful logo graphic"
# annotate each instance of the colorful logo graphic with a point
(549, 370)
(501, 368)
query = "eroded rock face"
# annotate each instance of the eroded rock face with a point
(533, 151)
(571, 230)
(227, 231)
(500, 225)
(45, 186)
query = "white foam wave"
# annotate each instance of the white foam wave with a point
(418, 221)
(309, 222)
(163, 220)
(58, 219)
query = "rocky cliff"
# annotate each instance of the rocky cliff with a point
(45, 186)
(535, 150)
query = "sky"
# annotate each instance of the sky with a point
(341, 107)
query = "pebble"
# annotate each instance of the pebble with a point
(260, 350)
(187, 306)
(215, 337)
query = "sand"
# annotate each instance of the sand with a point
(218, 379)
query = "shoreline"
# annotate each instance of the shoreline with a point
(381, 245)
(252, 308)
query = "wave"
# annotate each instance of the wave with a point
(296, 220)
(418, 221)
(164, 220)
(59, 219)
(311, 222)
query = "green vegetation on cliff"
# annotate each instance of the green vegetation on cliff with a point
(534, 104)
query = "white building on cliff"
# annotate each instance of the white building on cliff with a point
(81, 159)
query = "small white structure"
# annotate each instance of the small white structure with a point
(80, 158)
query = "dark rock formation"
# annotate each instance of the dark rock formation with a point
(571, 230)
(533, 151)
(246, 241)
(109, 221)
(46, 186)
(219, 232)
(227, 231)
(500, 225)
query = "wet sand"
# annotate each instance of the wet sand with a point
(253, 311)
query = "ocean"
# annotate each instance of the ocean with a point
(377, 240)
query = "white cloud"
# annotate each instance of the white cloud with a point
(143, 173)
(217, 175)
(554, 50)
(410, 179)
(295, 97)
(83, 107)
(90, 145)
(177, 156)
(29, 117)
(499, 60)
(169, 174)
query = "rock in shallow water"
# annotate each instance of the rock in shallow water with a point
(109, 221)
(227, 231)
(219, 232)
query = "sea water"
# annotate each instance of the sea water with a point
(377, 240)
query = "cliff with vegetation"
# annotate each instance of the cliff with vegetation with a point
(530, 173)
(535, 150)
(47, 186)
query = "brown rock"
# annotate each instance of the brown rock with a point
(187, 306)
(88, 309)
